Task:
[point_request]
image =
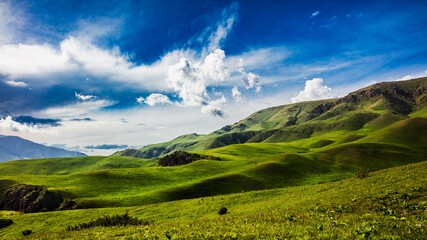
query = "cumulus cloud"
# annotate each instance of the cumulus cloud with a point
(16, 83)
(84, 97)
(237, 95)
(314, 90)
(315, 14)
(214, 69)
(187, 80)
(184, 71)
(157, 98)
(9, 124)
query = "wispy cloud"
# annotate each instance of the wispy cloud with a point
(224, 26)
(315, 14)
(106, 146)
(412, 76)
(11, 20)
(84, 97)
(16, 83)
(80, 109)
(236, 94)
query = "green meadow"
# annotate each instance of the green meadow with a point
(283, 172)
(387, 204)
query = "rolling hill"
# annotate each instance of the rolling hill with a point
(371, 108)
(388, 204)
(14, 148)
(378, 127)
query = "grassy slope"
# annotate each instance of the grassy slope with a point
(389, 204)
(330, 147)
(243, 167)
(378, 105)
(63, 166)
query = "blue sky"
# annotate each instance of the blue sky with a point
(81, 74)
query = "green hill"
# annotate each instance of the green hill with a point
(295, 147)
(378, 127)
(368, 109)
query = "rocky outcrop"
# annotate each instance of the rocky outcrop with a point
(31, 198)
(181, 158)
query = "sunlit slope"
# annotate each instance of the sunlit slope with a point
(369, 129)
(242, 167)
(369, 109)
(61, 166)
(389, 204)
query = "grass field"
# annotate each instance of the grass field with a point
(279, 172)
(388, 204)
(127, 181)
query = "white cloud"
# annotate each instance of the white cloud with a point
(80, 109)
(237, 95)
(84, 97)
(215, 107)
(408, 77)
(259, 59)
(314, 90)
(251, 80)
(315, 14)
(8, 124)
(16, 83)
(157, 98)
(23, 60)
(11, 20)
(229, 16)
(190, 80)
(140, 100)
(213, 68)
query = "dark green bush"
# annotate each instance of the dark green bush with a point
(109, 221)
(362, 173)
(222, 211)
(5, 222)
(26, 232)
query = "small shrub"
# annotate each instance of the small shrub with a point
(222, 211)
(109, 221)
(362, 173)
(26, 232)
(291, 218)
(5, 222)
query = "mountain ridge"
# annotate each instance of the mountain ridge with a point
(386, 101)
(16, 148)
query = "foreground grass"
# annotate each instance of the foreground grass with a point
(388, 204)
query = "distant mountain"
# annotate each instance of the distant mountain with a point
(358, 114)
(15, 148)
